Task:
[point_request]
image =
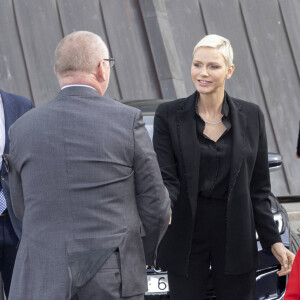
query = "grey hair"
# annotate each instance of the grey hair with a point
(220, 43)
(79, 51)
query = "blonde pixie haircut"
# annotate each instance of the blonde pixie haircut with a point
(220, 43)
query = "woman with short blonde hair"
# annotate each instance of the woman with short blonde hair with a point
(212, 151)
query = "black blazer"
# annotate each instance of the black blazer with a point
(298, 144)
(248, 207)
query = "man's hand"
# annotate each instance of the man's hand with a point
(284, 256)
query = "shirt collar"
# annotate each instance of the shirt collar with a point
(84, 85)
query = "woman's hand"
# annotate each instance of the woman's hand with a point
(284, 256)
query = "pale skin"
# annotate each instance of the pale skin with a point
(209, 73)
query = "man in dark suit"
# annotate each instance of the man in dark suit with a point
(87, 185)
(298, 144)
(11, 108)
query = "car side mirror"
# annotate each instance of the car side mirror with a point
(275, 161)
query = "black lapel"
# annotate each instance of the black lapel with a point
(239, 125)
(187, 137)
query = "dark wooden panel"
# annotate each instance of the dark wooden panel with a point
(163, 48)
(129, 44)
(187, 28)
(244, 84)
(76, 16)
(13, 76)
(40, 33)
(278, 76)
(290, 11)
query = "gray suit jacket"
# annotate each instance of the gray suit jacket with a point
(85, 181)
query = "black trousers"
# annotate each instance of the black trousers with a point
(8, 251)
(208, 249)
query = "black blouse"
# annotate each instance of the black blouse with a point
(215, 157)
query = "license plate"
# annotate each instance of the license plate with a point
(158, 284)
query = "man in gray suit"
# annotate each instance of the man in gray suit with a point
(86, 184)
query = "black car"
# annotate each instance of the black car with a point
(269, 286)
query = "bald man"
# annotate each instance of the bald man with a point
(86, 185)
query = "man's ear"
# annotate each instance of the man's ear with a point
(100, 71)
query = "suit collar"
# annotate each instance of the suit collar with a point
(186, 127)
(10, 115)
(239, 125)
(77, 90)
(188, 103)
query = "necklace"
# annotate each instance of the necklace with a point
(206, 122)
(212, 123)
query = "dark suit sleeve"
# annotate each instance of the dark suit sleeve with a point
(260, 190)
(152, 197)
(165, 153)
(15, 184)
(298, 144)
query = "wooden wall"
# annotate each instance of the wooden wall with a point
(152, 42)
